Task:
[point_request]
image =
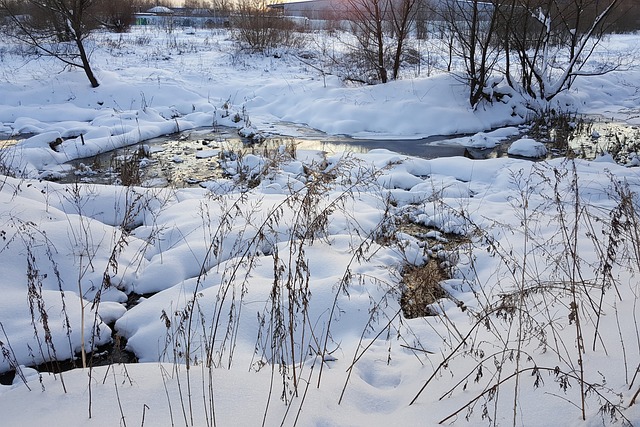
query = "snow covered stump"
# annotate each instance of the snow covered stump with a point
(527, 147)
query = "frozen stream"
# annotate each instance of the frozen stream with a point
(191, 157)
(188, 158)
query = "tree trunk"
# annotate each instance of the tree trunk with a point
(86, 65)
(382, 71)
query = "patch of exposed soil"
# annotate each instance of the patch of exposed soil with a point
(108, 354)
(422, 284)
(421, 289)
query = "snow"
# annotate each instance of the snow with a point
(160, 9)
(527, 147)
(286, 272)
(204, 154)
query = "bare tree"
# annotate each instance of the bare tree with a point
(471, 27)
(367, 20)
(381, 28)
(548, 43)
(55, 27)
(403, 16)
(424, 15)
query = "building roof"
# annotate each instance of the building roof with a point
(160, 9)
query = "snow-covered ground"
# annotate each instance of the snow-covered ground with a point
(272, 296)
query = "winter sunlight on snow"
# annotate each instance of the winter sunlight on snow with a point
(267, 240)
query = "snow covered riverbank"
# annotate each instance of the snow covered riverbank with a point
(279, 286)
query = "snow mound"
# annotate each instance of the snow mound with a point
(527, 147)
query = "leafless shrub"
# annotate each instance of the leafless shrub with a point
(54, 28)
(6, 169)
(127, 167)
(381, 29)
(548, 46)
(116, 15)
(261, 29)
(142, 40)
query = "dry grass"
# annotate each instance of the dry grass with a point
(421, 288)
(421, 284)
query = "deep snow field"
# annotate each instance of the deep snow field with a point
(272, 296)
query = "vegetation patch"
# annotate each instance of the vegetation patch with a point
(421, 285)
(421, 288)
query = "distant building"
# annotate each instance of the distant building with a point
(182, 17)
(314, 9)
